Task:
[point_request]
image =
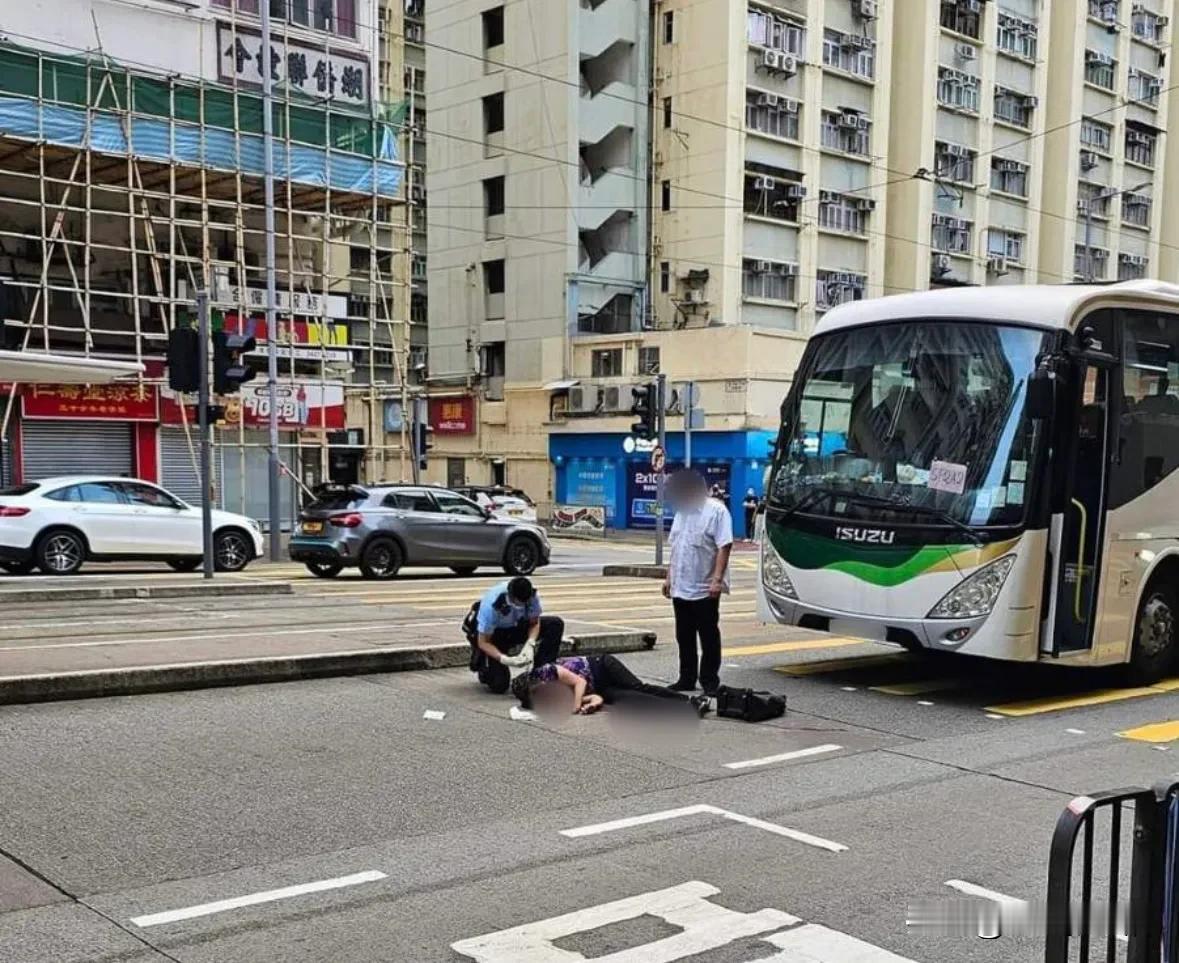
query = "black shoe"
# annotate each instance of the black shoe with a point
(712, 690)
(702, 704)
(682, 686)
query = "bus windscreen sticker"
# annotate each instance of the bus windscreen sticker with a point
(946, 476)
(1015, 493)
(1019, 470)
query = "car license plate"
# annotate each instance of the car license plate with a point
(517, 512)
(312, 528)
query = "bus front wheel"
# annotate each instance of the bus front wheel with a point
(1155, 629)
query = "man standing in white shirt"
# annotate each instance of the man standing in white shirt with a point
(697, 577)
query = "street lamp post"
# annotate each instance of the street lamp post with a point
(275, 523)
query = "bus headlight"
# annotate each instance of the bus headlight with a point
(976, 595)
(773, 571)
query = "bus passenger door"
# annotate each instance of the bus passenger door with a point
(1080, 555)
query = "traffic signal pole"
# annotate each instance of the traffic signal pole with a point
(275, 472)
(203, 422)
(661, 414)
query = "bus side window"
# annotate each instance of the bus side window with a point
(1148, 426)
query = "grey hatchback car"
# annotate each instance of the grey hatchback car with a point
(382, 528)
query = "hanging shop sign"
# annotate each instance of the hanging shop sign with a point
(453, 416)
(301, 406)
(90, 402)
(301, 340)
(301, 67)
(301, 303)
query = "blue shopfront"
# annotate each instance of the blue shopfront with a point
(595, 469)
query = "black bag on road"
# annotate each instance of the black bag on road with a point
(748, 704)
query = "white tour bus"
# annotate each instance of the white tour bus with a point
(988, 471)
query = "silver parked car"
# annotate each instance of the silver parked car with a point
(383, 528)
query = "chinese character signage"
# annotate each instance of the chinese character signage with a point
(593, 483)
(301, 406)
(115, 402)
(302, 302)
(293, 65)
(453, 416)
(302, 340)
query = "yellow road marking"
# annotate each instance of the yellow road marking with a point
(844, 665)
(1031, 707)
(1155, 732)
(919, 687)
(798, 645)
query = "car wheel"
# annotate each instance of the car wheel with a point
(1155, 630)
(381, 559)
(184, 564)
(522, 556)
(463, 570)
(61, 552)
(18, 568)
(324, 569)
(231, 551)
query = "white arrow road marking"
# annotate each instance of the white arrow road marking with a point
(269, 896)
(817, 944)
(702, 809)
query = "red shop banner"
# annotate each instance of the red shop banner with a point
(453, 416)
(90, 403)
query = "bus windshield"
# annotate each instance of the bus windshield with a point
(924, 420)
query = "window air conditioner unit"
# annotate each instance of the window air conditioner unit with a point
(584, 399)
(863, 122)
(828, 197)
(1089, 160)
(965, 51)
(771, 60)
(1161, 22)
(867, 9)
(790, 106)
(1031, 101)
(1010, 166)
(940, 265)
(850, 119)
(788, 64)
(795, 192)
(1109, 14)
(767, 100)
(695, 296)
(611, 398)
(764, 183)
(972, 6)
(787, 270)
(1082, 205)
(865, 204)
(762, 267)
(997, 265)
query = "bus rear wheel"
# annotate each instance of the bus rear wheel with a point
(1155, 634)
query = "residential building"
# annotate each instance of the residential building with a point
(133, 177)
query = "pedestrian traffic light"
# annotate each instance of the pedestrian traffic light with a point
(230, 370)
(184, 359)
(422, 443)
(645, 407)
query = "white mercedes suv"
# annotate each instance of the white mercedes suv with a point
(58, 524)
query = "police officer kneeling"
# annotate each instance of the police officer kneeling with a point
(506, 630)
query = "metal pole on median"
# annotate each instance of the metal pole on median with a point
(203, 422)
(689, 404)
(661, 414)
(275, 523)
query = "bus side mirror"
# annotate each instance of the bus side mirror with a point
(1041, 402)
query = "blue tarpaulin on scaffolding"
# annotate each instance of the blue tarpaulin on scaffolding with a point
(184, 143)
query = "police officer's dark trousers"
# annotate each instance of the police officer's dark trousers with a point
(496, 676)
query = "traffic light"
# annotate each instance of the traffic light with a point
(422, 443)
(229, 368)
(184, 359)
(645, 407)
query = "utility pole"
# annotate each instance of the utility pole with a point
(661, 414)
(275, 524)
(689, 407)
(203, 423)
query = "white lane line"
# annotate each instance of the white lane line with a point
(783, 757)
(1075, 732)
(973, 889)
(704, 809)
(269, 896)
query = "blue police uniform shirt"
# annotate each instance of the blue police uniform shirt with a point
(491, 618)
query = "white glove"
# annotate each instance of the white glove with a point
(523, 659)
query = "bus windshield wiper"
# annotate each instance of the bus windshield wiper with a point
(897, 504)
(806, 501)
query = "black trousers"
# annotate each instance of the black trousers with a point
(698, 619)
(497, 676)
(620, 687)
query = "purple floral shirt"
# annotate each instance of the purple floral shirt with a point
(578, 665)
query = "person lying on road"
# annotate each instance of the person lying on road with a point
(595, 681)
(511, 633)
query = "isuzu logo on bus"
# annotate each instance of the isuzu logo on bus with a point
(871, 536)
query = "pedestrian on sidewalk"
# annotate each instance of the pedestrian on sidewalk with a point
(697, 577)
(509, 632)
(750, 506)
